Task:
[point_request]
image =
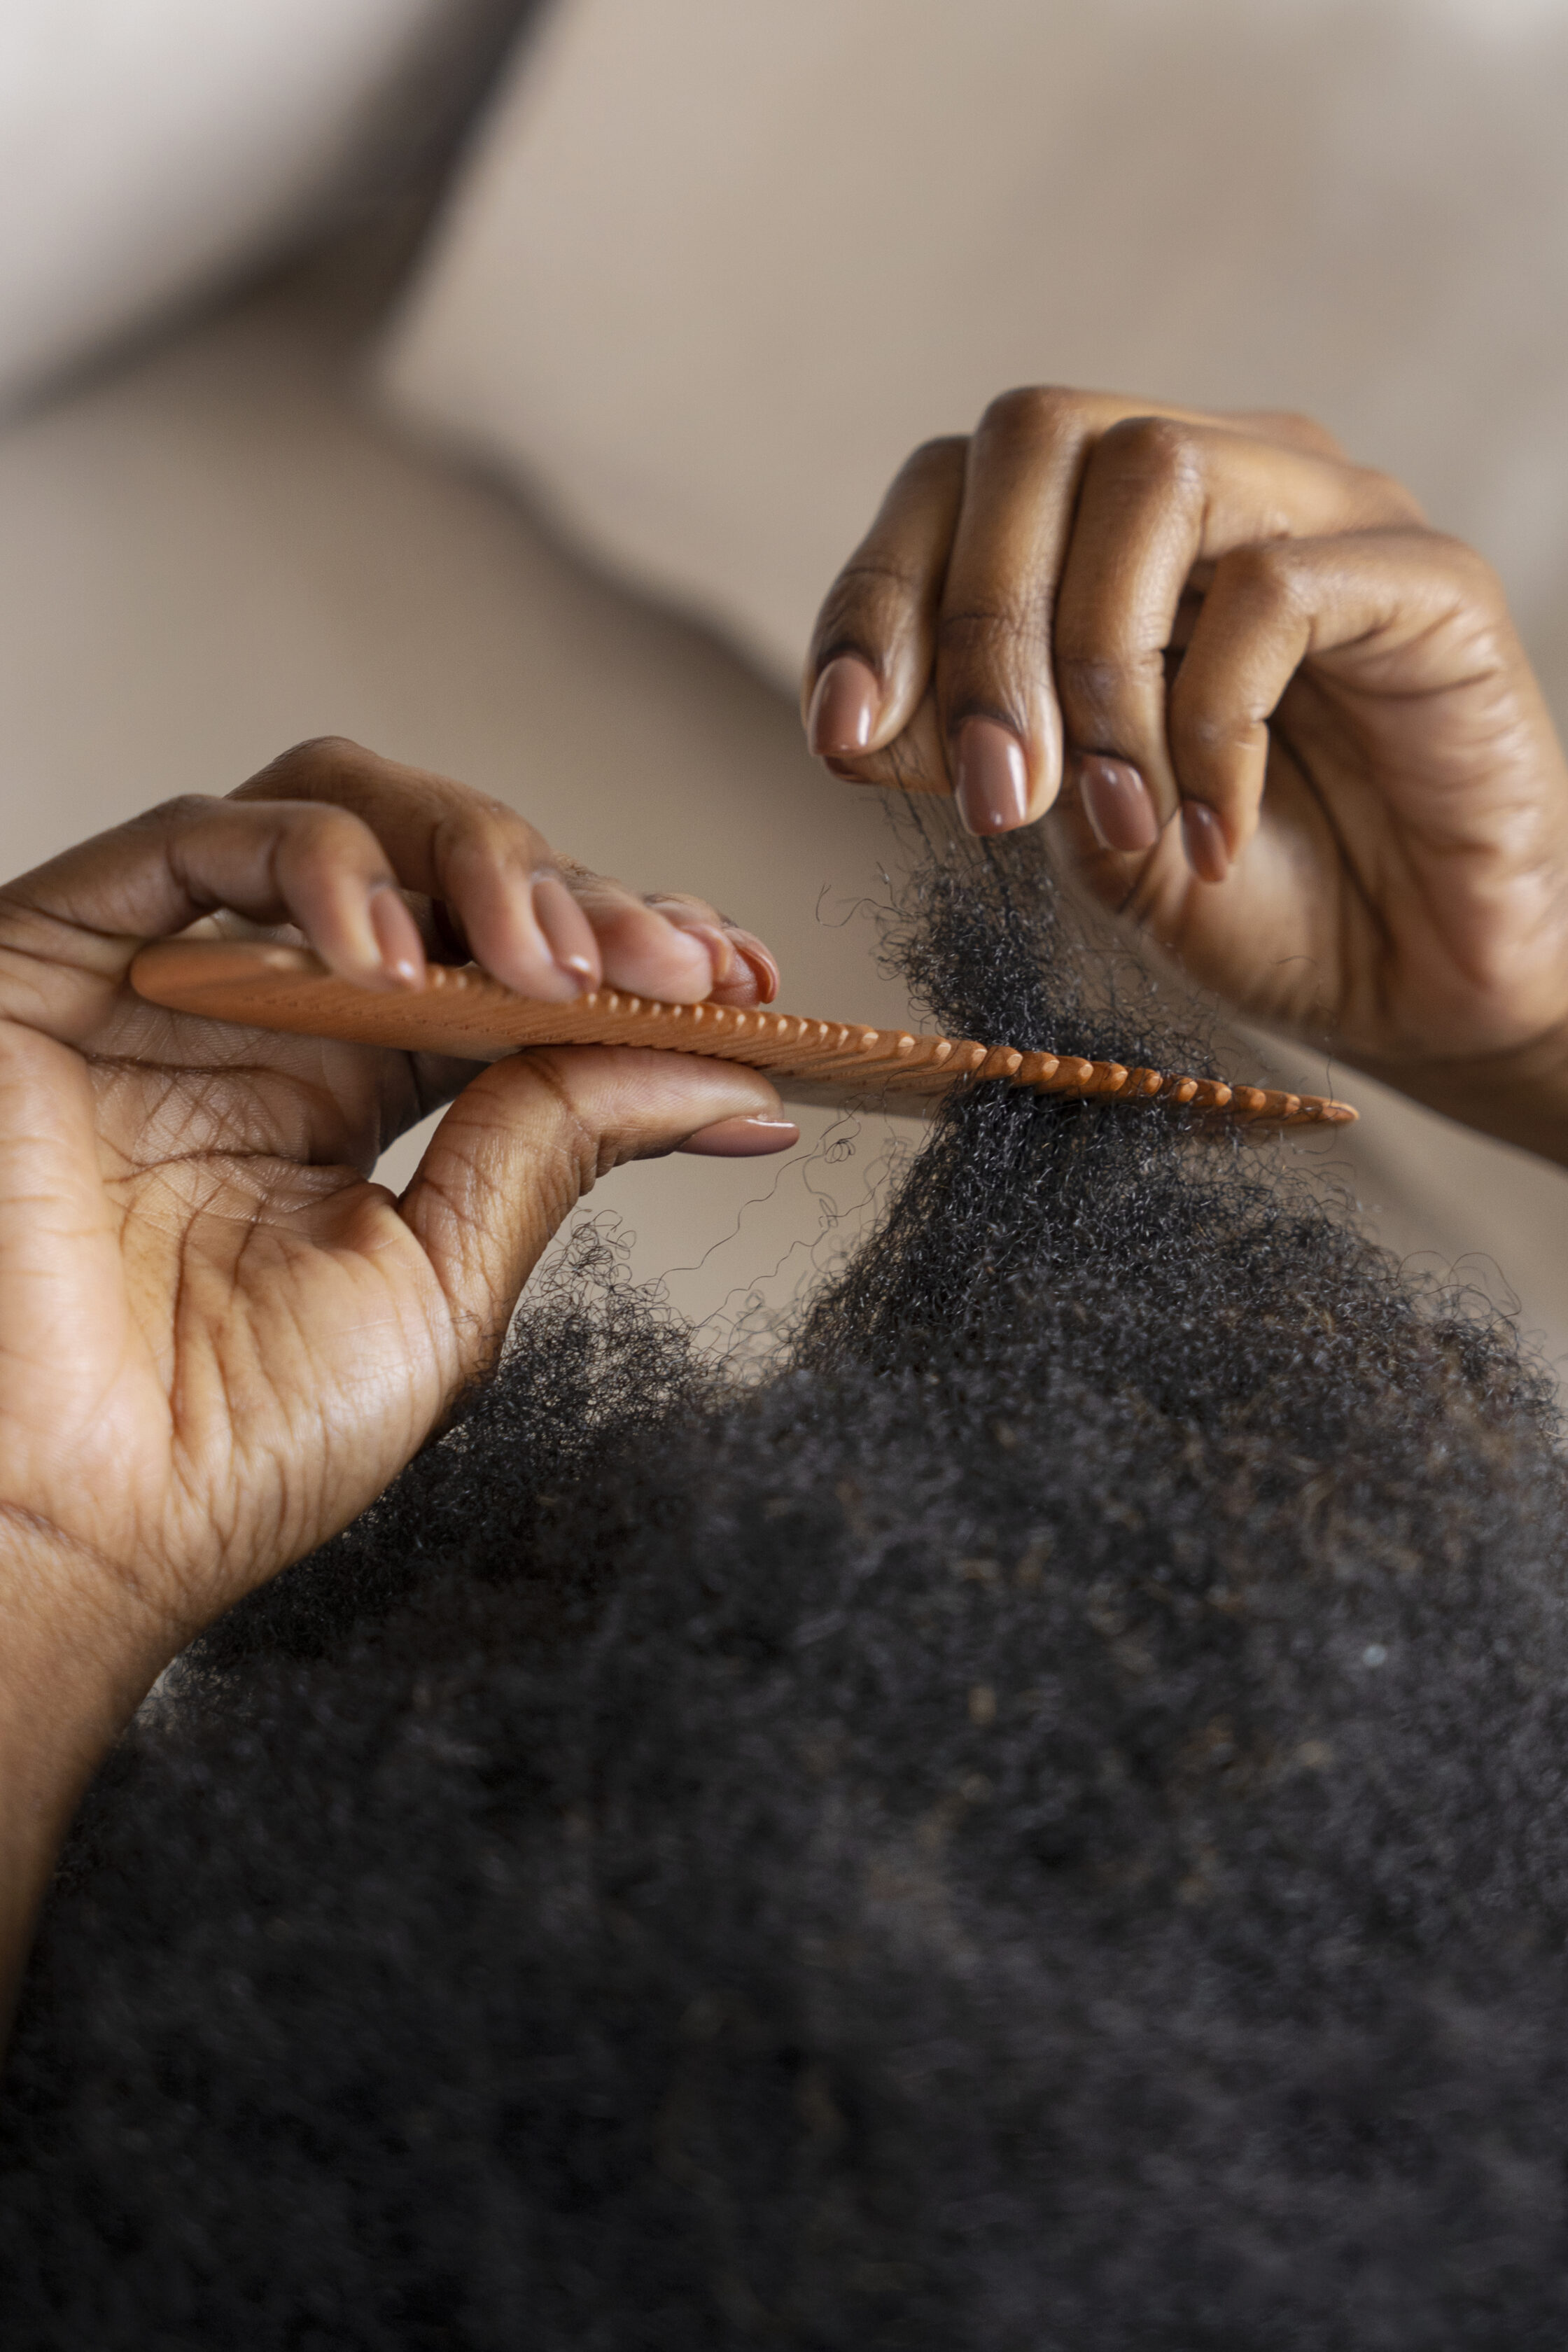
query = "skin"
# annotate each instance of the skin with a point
(1337, 796)
(219, 1340)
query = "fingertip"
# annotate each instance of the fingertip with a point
(567, 933)
(759, 962)
(1118, 804)
(990, 777)
(1203, 839)
(399, 946)
(742, 1138)
(844, 707)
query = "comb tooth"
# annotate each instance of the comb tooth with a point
(1000, 1062)
(1105, 1078)
(849, 1050)
(1248, 1102)
(727, 1033)
(1211, 1093)
(1181, 1090)
(584, 1021)
(928, 1070)
(1322, 1110)
(1069, 1077)
(1280, 1105)
(778, 1042)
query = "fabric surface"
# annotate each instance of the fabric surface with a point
(714, 270)
(149, 147)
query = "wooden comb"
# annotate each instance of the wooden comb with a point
(461, 1011)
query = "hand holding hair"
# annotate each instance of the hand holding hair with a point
(219, 1340)
(1280, 722)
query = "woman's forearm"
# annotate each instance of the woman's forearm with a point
(77, 1655)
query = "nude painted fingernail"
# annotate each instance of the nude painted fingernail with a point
(990, 777)
(397, 939)
(844, 705)
(759, 962)
(1117, 804)
(742, 1138)
(1203, 838)
(567, 932)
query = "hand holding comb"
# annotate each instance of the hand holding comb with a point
(461, 1011)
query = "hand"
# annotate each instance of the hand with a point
(219, 1339)
(1291, 728)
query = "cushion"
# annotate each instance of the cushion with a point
(148, 147)
(714, 268)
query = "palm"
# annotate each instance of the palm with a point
(244, 1281)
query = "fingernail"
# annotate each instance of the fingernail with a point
(1117, 804)
(397, 939)
(990, 777)
(567, 931)
(844, 706)
(742, 1138)
(759, 962)
(1203, 838)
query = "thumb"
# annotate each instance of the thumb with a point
(524, 1142)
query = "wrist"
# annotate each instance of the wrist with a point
(79, 1650)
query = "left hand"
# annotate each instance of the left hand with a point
(219, 1338)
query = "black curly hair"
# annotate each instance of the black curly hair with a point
(1041, 1823)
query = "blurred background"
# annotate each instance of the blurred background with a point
(502, 384)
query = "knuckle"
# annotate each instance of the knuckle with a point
(319, 833)
(182, 809)
(943, 454)
(1267, 572)
(1384, 495)
(1205, 736)
(1155, 448)
(1100, 692)
(315, 759)
(1294, 423)
(987, 631)
(869, 600)
(1032, 414)
(1468, 567)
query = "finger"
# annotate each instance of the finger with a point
(538, 922)
(523, 1143)
(868, 688)
(1390, 609)
(1000, 717)
(86, 913)
(1159, 498)
(1285, 426)
(643, 949)
(745, 969)
(871, 651)
(997, 711)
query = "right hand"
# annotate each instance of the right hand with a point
(1291, 728)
